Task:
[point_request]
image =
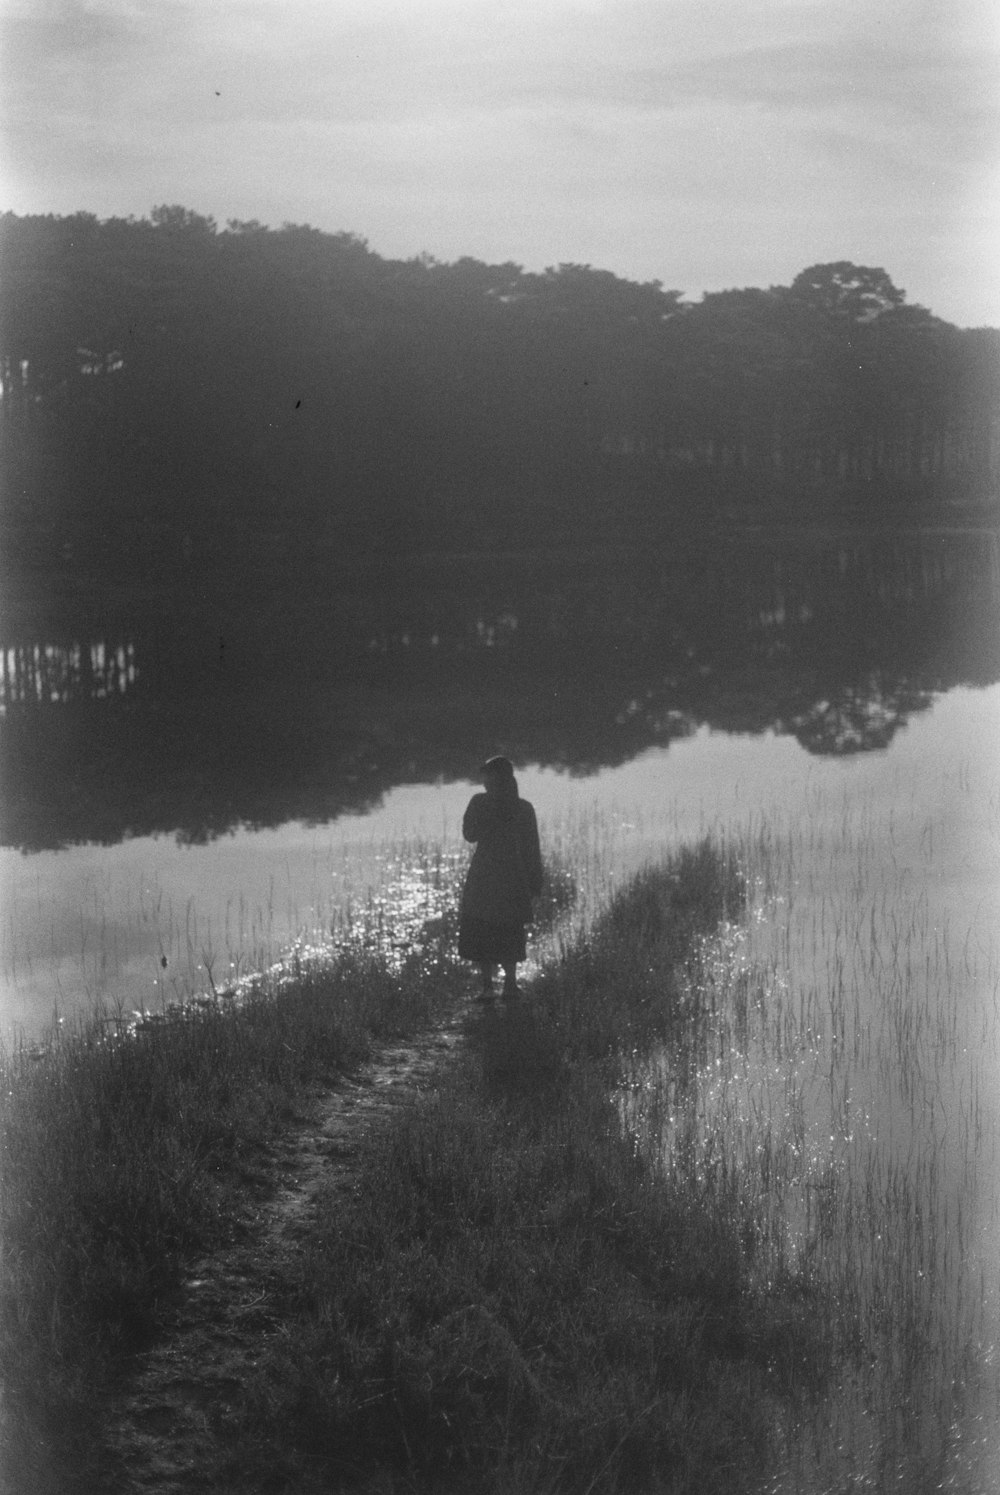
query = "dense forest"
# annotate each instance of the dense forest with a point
(173, 393)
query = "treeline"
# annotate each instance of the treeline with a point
(172, 391)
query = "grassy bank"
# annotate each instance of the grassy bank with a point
(122, 1156)
(514, 1298)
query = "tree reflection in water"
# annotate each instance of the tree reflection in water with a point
(314, 701)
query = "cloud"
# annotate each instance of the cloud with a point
(341, 61)
(538, 129)
(42, 32)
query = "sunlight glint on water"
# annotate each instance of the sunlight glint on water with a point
(849, 1074)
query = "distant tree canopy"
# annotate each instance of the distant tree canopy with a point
(169, 387)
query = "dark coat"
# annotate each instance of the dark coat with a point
(506, 868)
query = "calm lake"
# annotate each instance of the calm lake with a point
(188, 791)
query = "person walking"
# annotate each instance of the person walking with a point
(505, 874)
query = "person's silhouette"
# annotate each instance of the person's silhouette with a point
(504, 876)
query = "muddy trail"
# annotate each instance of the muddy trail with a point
(165, 1429)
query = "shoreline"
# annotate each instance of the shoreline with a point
(553, 1329)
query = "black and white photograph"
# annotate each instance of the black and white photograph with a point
(499, 747)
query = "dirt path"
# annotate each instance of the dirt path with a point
(159, 1432)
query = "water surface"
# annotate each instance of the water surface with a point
(185, 792)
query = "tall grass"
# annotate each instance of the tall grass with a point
(845, 1086)
(133, 1139)
(510, 1299)
(121, 1156)
(712, 1210)
(134, 945)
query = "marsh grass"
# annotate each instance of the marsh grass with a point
(132, 1139)
(123, 1154)
(134, 953)
(709, 1210)
(841, 1087)
(510, 1299)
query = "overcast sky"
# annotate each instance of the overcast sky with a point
(702, 143)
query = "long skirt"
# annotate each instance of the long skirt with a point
(490, 944)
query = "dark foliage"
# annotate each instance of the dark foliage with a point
(142, 717)
(172, 391)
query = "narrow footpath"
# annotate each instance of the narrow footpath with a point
(163, 1426)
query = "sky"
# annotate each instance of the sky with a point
(705, 144)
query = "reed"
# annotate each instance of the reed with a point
(711, 1210)
(136, 947)
(511, 1299)
(131, 1139)
(844, 1086)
